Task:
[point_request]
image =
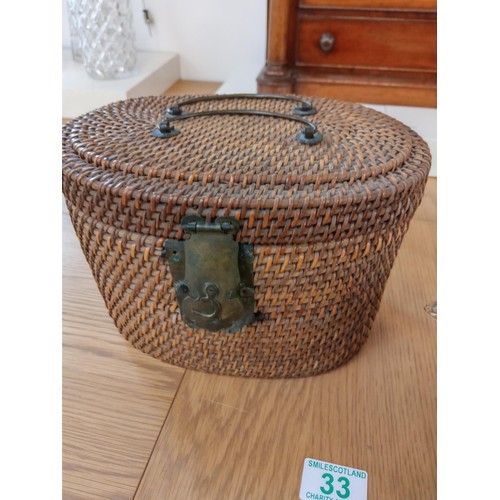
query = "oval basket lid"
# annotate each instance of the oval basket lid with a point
(239, 161)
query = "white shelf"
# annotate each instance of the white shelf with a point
(156, 72)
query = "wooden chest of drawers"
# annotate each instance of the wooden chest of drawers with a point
(374, 51)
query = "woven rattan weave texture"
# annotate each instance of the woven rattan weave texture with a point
(326, 222)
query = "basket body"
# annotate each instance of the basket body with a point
(322, 252)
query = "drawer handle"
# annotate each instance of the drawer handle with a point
(326, 42)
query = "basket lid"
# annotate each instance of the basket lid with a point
(216, 161)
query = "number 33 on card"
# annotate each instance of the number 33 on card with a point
(326, 481)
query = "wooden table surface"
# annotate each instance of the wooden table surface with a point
(134, 427)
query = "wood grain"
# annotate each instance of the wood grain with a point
(401, 44)
(367, 90)
(245, 438)
(384, 45)
(115, 398)
(278, 22)
(374, 4)
(183, 87)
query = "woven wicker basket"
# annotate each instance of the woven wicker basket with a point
(314, 196)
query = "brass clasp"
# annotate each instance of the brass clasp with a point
(213, 275)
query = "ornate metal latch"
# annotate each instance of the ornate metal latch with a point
(212, 275)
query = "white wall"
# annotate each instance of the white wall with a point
(212, 37)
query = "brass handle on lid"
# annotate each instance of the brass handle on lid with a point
(305, 109)
(308, 135)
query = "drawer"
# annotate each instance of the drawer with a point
(372, 4)
(367, 43)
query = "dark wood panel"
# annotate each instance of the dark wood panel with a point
(363, 43)
(373, 4)
(115, 398)
(376, 41)
(366, 93)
